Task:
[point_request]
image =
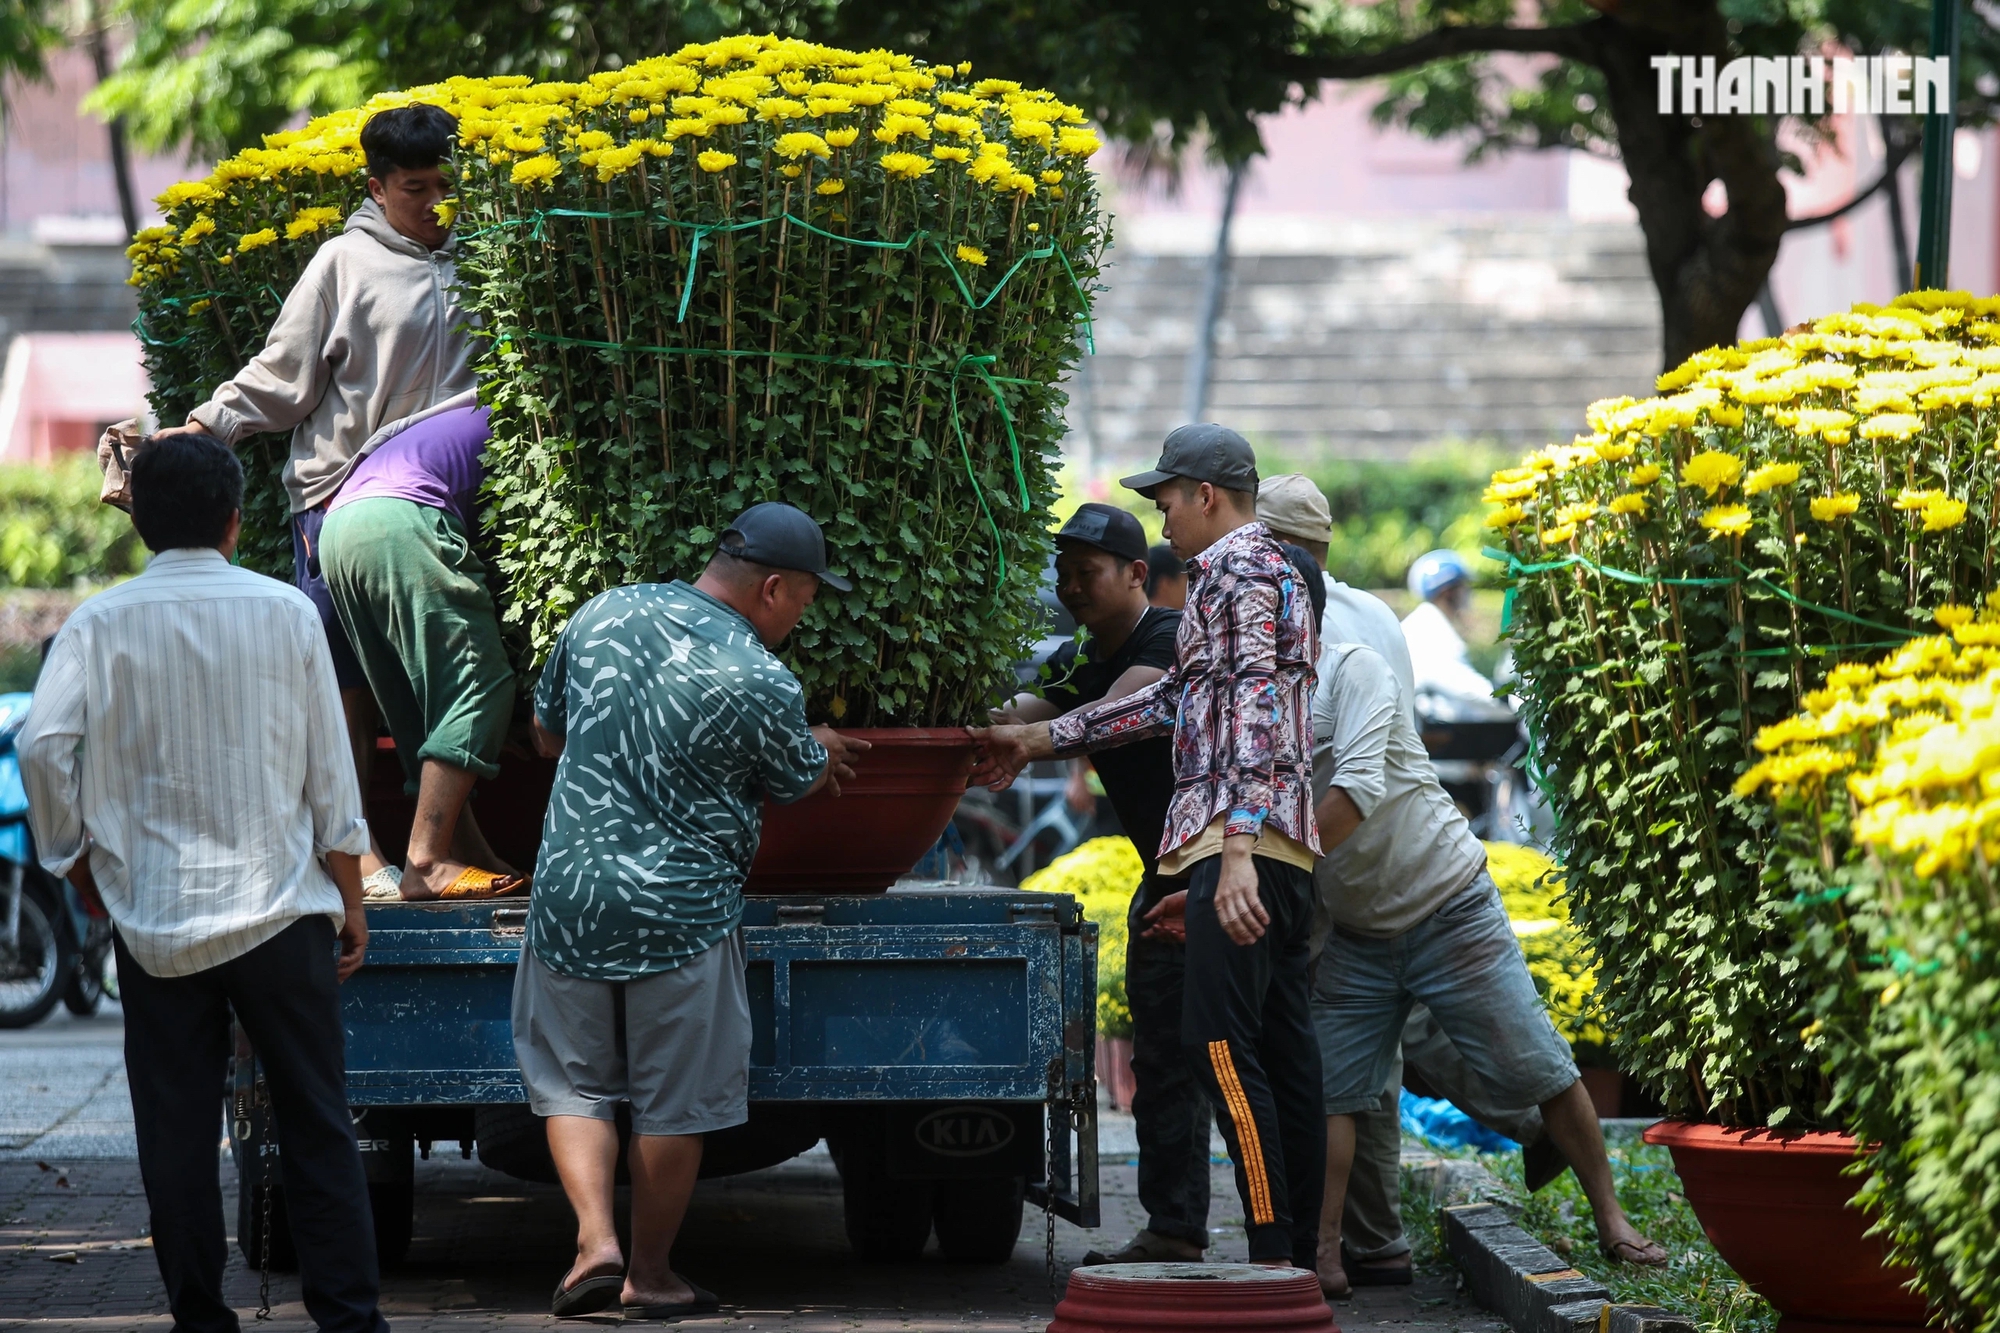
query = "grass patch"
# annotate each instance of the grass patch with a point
(1695, 1281)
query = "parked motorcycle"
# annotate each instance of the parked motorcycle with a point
(53, 945)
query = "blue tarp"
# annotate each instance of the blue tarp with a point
(1443, 1125)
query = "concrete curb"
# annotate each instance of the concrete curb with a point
(1531, 1287)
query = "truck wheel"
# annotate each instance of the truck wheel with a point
(250, 1228)
(394, 1204)
(978, 1220)
(887, 1220)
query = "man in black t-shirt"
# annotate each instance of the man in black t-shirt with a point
(1127, 645)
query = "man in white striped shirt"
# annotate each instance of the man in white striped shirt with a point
(186, 760)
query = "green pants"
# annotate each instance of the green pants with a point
(414, 601)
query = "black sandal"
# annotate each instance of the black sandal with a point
(704, 1302)
(588, 1295)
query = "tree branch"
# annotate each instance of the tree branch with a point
(1571, 42)
(1898, 154)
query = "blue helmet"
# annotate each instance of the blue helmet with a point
(1434, 571)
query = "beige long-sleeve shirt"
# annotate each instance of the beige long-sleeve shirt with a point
(188, 721)
(371, 333)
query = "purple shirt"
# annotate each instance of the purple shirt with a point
(434, 463)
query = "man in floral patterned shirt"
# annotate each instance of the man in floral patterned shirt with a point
(1238, 702)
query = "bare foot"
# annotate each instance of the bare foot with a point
(1624, 1244)
(678, 1291)
(1332, 1272)
(424, 883)
(601, 1263)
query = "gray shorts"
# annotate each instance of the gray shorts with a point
(1462, 962)
(674, 1044)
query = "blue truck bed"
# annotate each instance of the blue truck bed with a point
(939, 1038)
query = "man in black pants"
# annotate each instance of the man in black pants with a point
(187, 763)
(1240, 824)
(1103, 571)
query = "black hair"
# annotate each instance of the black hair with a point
(1308, 568)
(408, 138)
(1162, 563)
(184, 490)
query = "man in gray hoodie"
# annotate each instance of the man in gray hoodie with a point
(372, 333)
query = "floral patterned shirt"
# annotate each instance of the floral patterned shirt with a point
(1238, 699)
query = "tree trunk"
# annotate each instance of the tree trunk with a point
(1707, 270)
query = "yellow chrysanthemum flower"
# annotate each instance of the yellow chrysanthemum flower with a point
(714, 162)
(534, 172)
(1505, 517)
(791, 147)
(1572, 514)
(256, 240)
(948, 153)
(1643, 475)
(310, 220)
(1726, 521)
(1770, 477)
(1556, 536)
(1833, 508)
(832, 187)
(1712, 470)
(1942, 514)
(1891, 426)
(971, 255)
(843, 136)
(1950, 616)
(1631, 502)
(200, 227)
(1077, 143)
(906, 166)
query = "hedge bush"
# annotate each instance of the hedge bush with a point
(1890, 831)
(756, 269)
(1687, 573)
(54, 533)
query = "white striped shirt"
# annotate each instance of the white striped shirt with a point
(188, 719)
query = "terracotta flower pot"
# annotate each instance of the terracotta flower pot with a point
(1776, 1209)
(904, 792)
(1142, 1298)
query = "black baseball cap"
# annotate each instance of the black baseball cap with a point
(1108, 528)
(782, 537)
(1201, 452)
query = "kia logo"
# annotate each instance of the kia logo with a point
(965, 1131)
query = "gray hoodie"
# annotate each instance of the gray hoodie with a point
(372, 333)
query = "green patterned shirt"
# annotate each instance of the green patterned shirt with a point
(677, 723)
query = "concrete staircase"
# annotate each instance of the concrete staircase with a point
(1368, 337)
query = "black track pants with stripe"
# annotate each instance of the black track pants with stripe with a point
(1248, 1030)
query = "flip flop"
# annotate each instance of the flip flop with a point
(704, 1302)
(1634, 1252)
(473, 882)
(587, 1296)
(384, 886)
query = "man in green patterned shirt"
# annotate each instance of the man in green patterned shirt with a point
(674, 723)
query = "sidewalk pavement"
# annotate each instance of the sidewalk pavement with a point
(488, 1250)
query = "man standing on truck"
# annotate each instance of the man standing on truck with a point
(185, 763)
(1240, 825)
(371, 333)
(412, 595)
(1102, 572)
(674, 723)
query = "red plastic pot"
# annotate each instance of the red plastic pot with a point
(1141, 1298)
(904, 792)
(1776, 1208)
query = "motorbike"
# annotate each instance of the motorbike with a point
(54, 946)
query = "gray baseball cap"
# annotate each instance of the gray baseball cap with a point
(1201, 452)
(782, 537)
